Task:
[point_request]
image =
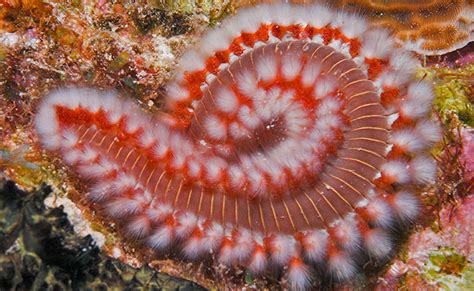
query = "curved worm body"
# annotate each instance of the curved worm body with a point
(296, 136)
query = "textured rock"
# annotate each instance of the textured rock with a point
(39, 250)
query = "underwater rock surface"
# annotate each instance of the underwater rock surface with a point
(133, 47)
(39, 251)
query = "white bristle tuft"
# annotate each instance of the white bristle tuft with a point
(51, 142)
(177, 93)
(422, 91)
(290, 66)
(315, 245)
(96, 170)
(193, 248)
(247, 83)
(328, 106)
(244, 246)
(226, 100)
(402, 60)
(323, 87)
(215, 168)
(213, 236)
(248, 117)
(69, 139)
(159, 212)
(320, 15)
(236, 177)
(215, 127)
(147, 139)
(380, 213)
(161, 150)
(256, 183)
(115, 108)
(423, 169)
(282, 248)
(376, 43)
(341, 266)
(298, 274)
(89, 155)
(226, 255)
(238, 131)
(396, 171)
(161, 237)
(72, 156)
(247, 20)
(418, 104)
(347, 234)
(46, 123)
(311, 72)
(406, 206)
(134, 122)
(390, 79)
(214, 41)
(100, 192)
(351, 25)
(194, 168)
(192, 61)
(402, 69)
(267, 67)
(186, 224)
(258, 260)
(429, 131)
(281, 14)
(122, 183)
(122, 207)
(407, 140)
(138, 227)
(377, 243)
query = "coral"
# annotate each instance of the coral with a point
(40, 251)
(296, 138)
(427, 27)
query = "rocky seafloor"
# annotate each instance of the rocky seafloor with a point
(48, 241)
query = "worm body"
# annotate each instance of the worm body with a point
(295, 136)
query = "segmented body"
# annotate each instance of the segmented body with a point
(296, 136)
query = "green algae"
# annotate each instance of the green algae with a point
(468, 283)
(453, 93)
(448, 269)
(119, 61)
(448, 261)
